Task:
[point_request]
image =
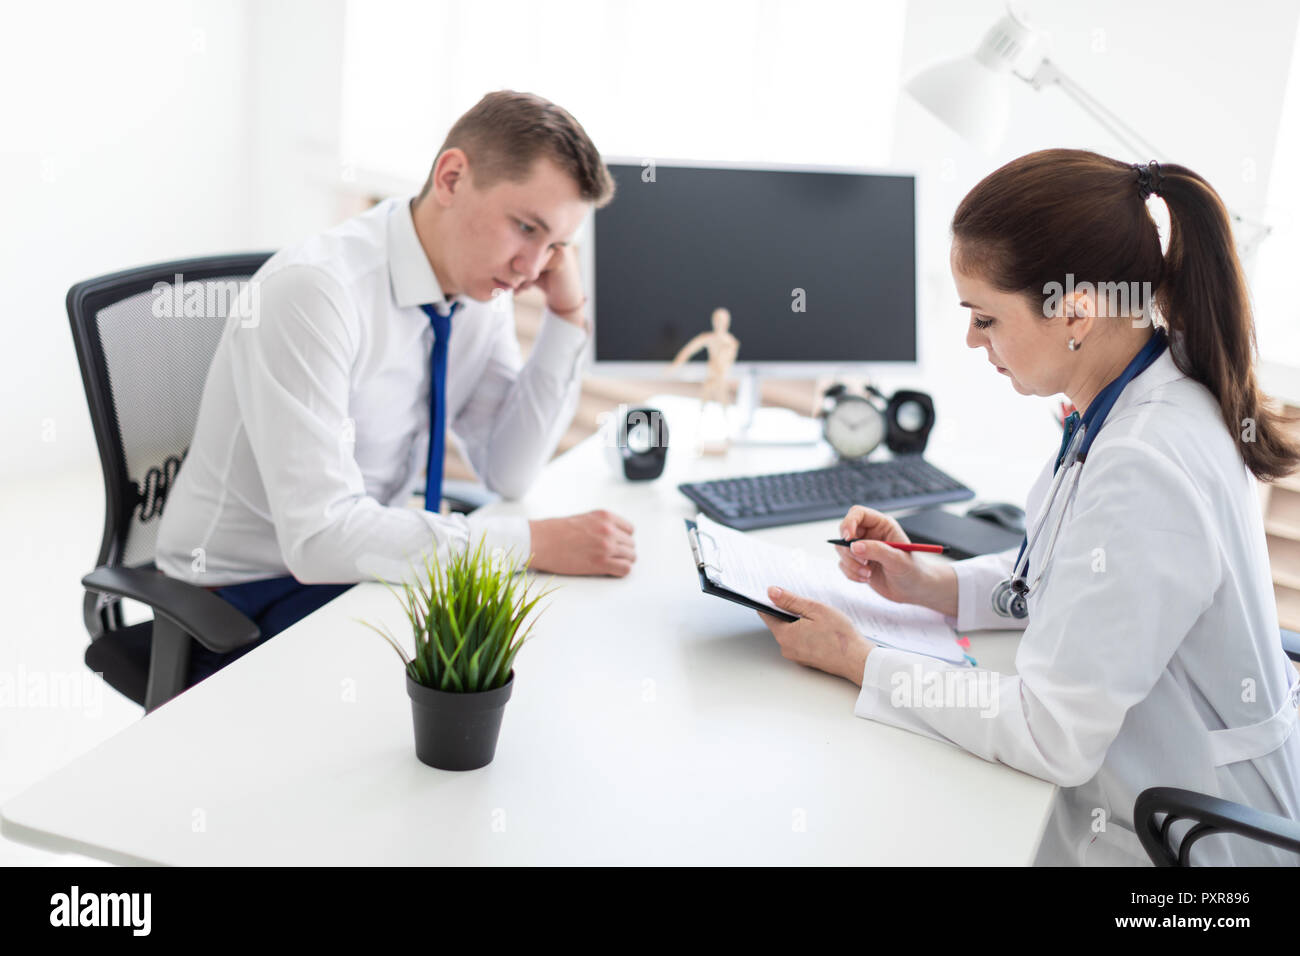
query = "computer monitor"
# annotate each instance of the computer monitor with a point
(816, 265)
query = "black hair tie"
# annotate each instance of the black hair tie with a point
(1149, 180)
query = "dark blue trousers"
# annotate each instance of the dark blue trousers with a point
(274, 604)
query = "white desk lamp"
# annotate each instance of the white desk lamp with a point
(971, 96)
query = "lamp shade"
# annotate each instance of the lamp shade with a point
(968, 97)
(970, 94)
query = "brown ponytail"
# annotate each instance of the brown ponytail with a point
(1067, 211)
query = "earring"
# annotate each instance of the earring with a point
(1072, 345)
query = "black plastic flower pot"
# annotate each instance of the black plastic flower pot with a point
(457, 731)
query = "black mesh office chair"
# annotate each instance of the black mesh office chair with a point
(144, 376)
(1209, 815)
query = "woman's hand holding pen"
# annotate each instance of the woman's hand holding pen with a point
(893, 574)
(824, 637)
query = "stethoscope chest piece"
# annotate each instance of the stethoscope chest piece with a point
(1009, 599)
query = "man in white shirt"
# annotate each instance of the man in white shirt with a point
(317, 413)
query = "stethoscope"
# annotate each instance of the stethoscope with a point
(1010, 597)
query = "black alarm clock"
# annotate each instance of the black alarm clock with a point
(855, 424)
(636, 442)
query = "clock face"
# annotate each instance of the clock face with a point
(854, 427)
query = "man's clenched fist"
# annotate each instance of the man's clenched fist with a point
(598, 542)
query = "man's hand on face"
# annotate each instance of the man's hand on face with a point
(562, 285)
(597, 542)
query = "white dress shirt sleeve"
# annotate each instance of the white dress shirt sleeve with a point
(518, 411)
(976, 579)
(1100, 638)
(291, 373)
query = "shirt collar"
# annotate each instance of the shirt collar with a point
(1160, 372)
(414, 282)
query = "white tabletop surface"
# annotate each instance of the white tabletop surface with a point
(649, 724)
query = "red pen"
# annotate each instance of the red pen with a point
(901, 546)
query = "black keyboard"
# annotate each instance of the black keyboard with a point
(764, 501)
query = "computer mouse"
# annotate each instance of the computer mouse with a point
(1001, 514)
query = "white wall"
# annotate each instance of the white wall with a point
(123, 144)
(294, 98)
(134, 133)
(1277, 308)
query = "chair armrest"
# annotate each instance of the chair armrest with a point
(1291, 644)
(465, 496)
(1210, 815)
(213, 622)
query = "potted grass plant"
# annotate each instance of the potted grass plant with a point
(469, 617)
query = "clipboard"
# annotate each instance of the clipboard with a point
(694, 535)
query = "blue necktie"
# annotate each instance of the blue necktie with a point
(437, 406)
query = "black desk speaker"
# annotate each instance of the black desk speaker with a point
(636, 442)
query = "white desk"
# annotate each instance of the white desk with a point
(649, 724)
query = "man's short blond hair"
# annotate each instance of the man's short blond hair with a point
(504, 133)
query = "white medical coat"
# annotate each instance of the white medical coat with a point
(1153, 629)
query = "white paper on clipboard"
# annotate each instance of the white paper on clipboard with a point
(748, 566)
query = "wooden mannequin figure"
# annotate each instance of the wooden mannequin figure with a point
(723, 347)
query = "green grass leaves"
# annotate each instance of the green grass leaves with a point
(469, 617)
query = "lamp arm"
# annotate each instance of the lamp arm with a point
(1250, 232)
(1049, 74)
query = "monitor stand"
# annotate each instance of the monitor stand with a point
(752, 424)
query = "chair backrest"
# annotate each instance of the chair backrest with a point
(1208, 816)
(145, 339)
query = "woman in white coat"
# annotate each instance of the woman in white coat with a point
(1151, 652)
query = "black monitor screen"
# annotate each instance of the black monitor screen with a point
(813, 266)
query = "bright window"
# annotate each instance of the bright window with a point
(782, 81)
